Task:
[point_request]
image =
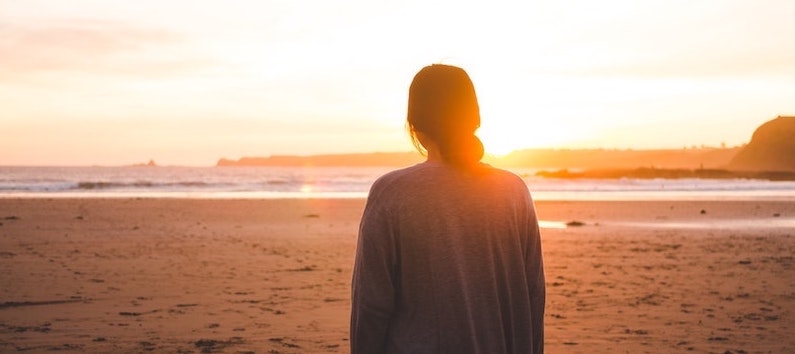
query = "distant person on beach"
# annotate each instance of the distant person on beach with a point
(449, 252)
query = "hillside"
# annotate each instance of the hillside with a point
(772, 148)
(769, 155)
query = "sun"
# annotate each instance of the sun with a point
(496, 146)
(511, 121)
(501, 137)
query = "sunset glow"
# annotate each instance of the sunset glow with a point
(85, 82)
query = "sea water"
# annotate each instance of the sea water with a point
(343, 182)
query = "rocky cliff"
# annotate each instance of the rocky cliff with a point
(772, 148)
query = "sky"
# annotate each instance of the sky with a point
(189, 82)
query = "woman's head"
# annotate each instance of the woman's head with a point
(443, 107)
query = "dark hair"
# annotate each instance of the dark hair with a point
(443, 106)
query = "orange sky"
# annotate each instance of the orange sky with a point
(183, 82)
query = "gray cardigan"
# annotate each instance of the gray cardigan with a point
(448, 261)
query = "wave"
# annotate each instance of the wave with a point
(97, 181)
(278, 185)
(93, 185)
(67, 186)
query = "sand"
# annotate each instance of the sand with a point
(273, 276)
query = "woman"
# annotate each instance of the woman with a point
(449, 252)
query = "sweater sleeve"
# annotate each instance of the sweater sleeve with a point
(536, 280)
(373, 284)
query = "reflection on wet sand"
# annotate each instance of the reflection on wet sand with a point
(738, 224)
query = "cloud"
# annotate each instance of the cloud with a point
(91, 47)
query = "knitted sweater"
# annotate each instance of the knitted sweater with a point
(448, 261)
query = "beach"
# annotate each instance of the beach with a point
(273, 275)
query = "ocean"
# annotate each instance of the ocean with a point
(342, 182)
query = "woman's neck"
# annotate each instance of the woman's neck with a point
(434, 156)
(430, 147)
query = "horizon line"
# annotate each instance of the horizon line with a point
(486, 155)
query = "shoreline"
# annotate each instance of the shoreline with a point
(546, 196)
(747, 214)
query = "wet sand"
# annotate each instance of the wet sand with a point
(273, 276)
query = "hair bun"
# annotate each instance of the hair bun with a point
(464, 151)
(477, 148)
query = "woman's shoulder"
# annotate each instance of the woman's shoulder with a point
(502, 175)
(512, 186)
(388, 189)
(400, 180)
(397, 177)
(427, 169)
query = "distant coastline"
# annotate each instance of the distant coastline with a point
(703, 163)
(770, 155)
(391, 159)
(528, 158)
